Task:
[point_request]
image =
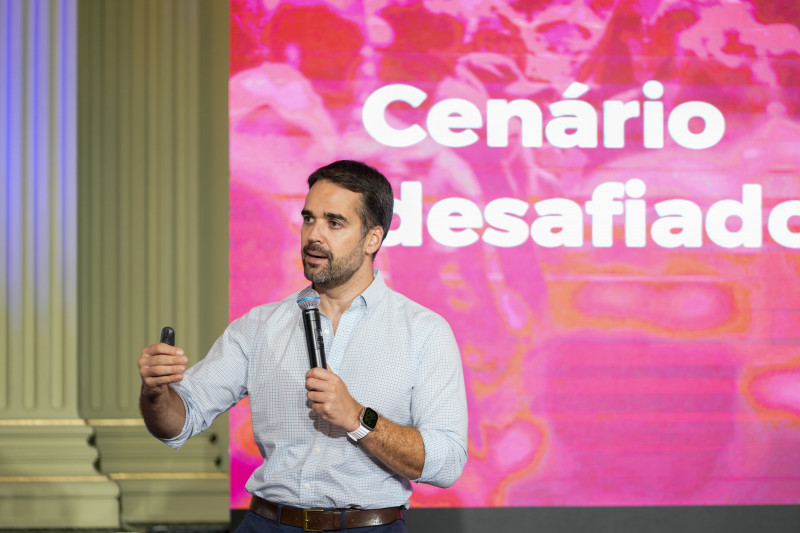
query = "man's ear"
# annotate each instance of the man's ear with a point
(374, 240)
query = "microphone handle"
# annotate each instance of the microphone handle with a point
(314, 342)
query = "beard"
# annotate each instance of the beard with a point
(336, 271)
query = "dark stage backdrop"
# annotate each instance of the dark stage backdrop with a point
(602, 198)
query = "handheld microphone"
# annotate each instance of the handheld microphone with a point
(308, 300)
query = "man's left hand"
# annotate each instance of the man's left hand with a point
(331, 399)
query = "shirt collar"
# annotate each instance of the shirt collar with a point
(371, 295)
(374, 293)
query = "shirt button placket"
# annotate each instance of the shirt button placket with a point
(311, 465)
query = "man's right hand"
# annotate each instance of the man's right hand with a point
(159, 365)
(162, 408)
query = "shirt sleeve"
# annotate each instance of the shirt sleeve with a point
(217, 382)
(439, 407)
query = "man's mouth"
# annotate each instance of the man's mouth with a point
(315, 256)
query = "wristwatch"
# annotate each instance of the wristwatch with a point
(368, 418)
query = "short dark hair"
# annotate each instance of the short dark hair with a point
(377, 197)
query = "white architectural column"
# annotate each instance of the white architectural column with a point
(47, 464)
(152, 236)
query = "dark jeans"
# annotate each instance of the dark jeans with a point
(254, 523)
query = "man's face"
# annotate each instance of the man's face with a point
(333, 245)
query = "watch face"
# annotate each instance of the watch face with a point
(370, 418)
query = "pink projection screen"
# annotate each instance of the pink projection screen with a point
(602, 198)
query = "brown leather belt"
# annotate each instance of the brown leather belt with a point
(325, 520)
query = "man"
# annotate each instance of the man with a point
(389, 409)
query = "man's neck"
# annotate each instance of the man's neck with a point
(334, 302)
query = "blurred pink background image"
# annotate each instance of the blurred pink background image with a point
(603, 200)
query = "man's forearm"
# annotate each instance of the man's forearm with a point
(399, 447)
(164, 414)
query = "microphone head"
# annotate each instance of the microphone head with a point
(308, 298)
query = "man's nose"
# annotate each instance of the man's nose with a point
(314, 233)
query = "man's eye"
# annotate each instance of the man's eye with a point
(336, 224)
(307, 219)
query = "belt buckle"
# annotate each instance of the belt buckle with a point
(305, 519)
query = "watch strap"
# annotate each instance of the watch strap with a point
(359, 433)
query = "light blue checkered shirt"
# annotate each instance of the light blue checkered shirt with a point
(394, 355)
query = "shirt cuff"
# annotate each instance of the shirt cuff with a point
(180, 439)
(435, 454)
